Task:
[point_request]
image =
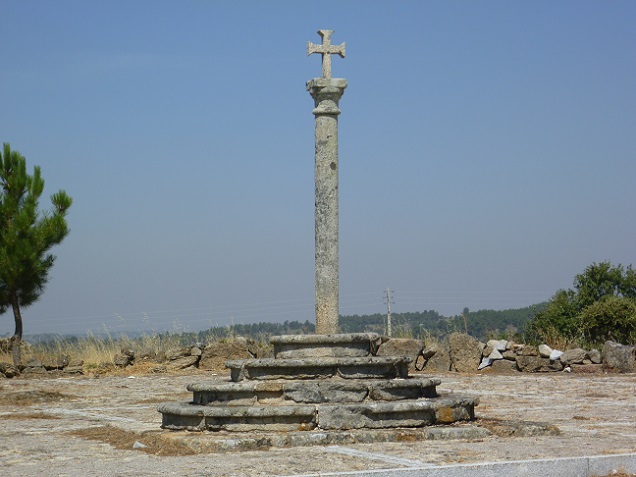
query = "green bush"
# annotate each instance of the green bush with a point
(611, 318)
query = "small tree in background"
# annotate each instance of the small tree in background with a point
(600, 307)
(25, 237)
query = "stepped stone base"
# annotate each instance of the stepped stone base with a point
(318, 383)
(220, 442)
(327, 416)
(279, 392)
(324, 346)
(374, 367)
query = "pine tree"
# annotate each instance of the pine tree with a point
(26, 235)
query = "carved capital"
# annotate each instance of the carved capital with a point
(326, 93)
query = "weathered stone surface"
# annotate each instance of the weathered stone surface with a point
(618, 357)
(465, 353)
(216, 354)
(237, 418)
(31, 370)
(183, 362)
(325, 391)
(374, 367)
(429, 352)
(278, 392)
(545, 351)
(574, 356)
(440, 362)
(587, 368)
(396, 414)
(510, 355)
(495, 354)
(499, 345)
(316, 346)
(485, 362)
(555, 354)
(595, 356)
(504, 366)
(176, 353)
(326, 93)
(537, 364)
(529, 350)
(402, 347)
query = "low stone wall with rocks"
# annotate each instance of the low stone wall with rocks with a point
(460, 353)
(465, 354)
(62, 366)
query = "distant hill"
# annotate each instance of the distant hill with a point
(482, 324)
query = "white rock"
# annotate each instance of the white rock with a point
(544, 351)
(484, 363)
(556, 354)
(499, 345)
(495, 355)
(567, 369)
(139, 445)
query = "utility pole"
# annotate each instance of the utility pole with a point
(388, 311)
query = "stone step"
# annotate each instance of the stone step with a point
(374, 367)
(323, 346)
(279, 392)
(366, 415)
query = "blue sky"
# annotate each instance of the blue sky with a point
(487, 153)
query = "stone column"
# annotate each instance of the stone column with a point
(326, 93)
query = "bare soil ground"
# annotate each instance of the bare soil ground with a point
(97, 426)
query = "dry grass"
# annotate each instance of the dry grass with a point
(154, 442)
(27, 416)
(29, 398)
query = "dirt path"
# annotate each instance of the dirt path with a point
(88, 426)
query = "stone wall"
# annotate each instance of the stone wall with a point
(460, 353)
(463, 353)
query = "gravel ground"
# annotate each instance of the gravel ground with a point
(87, 426)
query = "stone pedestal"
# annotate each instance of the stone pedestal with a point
(318, 383)
(326, 93)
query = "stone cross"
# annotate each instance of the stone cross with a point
(326, 50)
(326, 92)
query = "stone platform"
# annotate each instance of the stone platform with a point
(316, 383)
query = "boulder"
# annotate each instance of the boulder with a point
(587, 368)
(595, 356)
(499, 345)
(183, 362)
(496, 354)
(175, 353)
(556, 354)
(537, 364)
(465, 353)
(509, 355)
(402, 347)
(439, 362)
(485, 362)
(618, 357)
(504, 366)
(216, 354)
(529, 350)
(574, 356)
(545, 351)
